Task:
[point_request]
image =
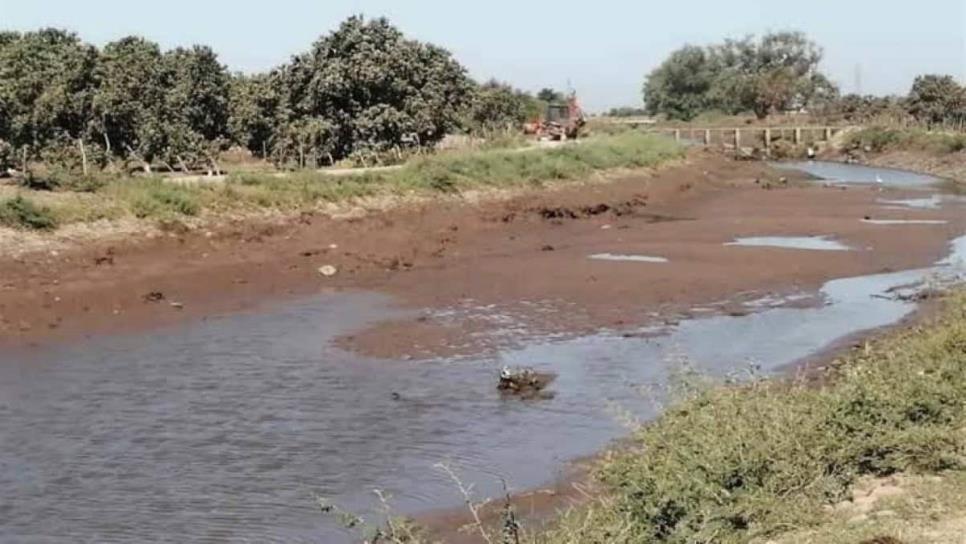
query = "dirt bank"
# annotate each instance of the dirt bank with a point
(524, 258)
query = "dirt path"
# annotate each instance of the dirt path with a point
(525, 257)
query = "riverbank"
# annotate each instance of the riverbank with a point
(522, 254)
(876, 452)
(938, 153)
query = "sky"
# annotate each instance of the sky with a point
(602, 48)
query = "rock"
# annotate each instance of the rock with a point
(328, 270)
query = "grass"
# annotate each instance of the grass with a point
(451, 172)
(21, 213)
(753, 462)
(879, 139)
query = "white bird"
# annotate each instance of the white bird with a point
(878, 179)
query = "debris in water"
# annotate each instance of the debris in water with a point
(524, 382)
(328, 270)
(177, 305)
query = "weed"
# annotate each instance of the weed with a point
(19, 212)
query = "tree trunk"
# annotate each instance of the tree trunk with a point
(83, 152)
(145, 165)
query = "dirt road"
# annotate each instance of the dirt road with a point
(525, 257)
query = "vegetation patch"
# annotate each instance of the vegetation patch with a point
(878, 139)
(753, 462)
(21, 213)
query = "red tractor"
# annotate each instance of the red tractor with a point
(560, 122)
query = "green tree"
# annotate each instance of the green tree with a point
(46, 85)
(499, 106)
(255, 109)
(376, 89)
(778, 72)
(936, 98)
(196, 111)
(680, 87)
(128, 109)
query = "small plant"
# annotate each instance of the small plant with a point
(18, 212)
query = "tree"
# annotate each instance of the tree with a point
(376, 89)
(778, 72)
(196, 110)
(128, 105)
(499, 106)
(936, 98)
(679, 88)
(46, 85)
(255, 110)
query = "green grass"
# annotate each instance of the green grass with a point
(749, 463)
(21, 213)
(450, 172)
(879, 139)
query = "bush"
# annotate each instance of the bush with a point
(879, 139)
(730, 464)
(18, 212)
(161, 199)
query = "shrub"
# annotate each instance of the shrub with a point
(18, 212)
(160, 199)
(739, 463)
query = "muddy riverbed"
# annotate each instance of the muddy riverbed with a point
(226, 428)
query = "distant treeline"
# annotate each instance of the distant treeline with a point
(363, 89)
(779, 73)
(934, 101)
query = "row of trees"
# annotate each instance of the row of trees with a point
(778, 72)
(933, 101)
(365, 88)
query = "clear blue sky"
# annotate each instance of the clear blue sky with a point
(602, 47)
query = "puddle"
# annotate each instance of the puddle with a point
(628, 258)
(853, 173)
(931, 203)
(812, 243)
(905, 221)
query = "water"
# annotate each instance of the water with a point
(905, 221)
(812, 243)
(628, 258)
(852, 173)
(931, 202)
(226, 430)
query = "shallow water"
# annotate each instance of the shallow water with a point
(628, 258)
(905, 221)
(930, 203)
(228, 429)
(812, 243)
(853, 173)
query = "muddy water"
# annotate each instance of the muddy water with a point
(227, 430)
